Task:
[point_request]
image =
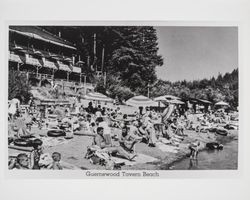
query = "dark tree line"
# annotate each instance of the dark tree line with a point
(220, 88)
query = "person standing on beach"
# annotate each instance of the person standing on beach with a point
(194, 149)
(35, 154)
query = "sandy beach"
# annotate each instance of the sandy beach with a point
(73, 150)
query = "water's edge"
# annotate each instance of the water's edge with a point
(227, 141)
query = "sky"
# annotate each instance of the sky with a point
(192, 53)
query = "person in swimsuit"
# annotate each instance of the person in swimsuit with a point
(127, 142)
(35, 154)
(100, 141)
(55, 165)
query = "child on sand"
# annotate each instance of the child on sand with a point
(55, 165)
(21, 162)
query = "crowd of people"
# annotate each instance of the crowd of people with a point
(114, 133)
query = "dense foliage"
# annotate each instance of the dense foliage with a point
(130, 58)
(222, 88)
(18, 86)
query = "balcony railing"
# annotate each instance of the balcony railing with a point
(43, 62)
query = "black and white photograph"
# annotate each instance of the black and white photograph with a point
(122, 97)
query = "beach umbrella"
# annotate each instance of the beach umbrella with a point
(67, 59)
(95, 96)
(171, 97)
(205, 101)
(221, 103)
(175, 101)
(16, 48)
(166, 97)
(143, 101)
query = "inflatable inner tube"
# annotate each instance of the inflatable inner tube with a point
(26, 136)
(69, 137)
(214, 145)
(229, 127)
(23, 142)
(222, 132)
(56, 133)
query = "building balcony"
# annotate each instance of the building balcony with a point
(42, 61)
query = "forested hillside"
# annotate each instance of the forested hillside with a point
(129, 56)
(223, 87)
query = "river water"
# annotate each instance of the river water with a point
(217, 159)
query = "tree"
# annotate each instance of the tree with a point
(18, 86)
(136, 57)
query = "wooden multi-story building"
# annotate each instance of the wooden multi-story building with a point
(43, 56)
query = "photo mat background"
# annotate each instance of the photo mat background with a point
(176, 185)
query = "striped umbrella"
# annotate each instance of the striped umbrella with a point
(95, 96)
(221, 103)
(175, 101)
(166, 97)
(138, 101)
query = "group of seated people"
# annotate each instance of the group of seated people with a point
(144, 128)
(32, 160)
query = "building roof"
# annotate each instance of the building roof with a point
(41, 34)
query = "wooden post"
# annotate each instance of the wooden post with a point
(103, 58)
(85, 89)
(67, 76)
(95, 51)
(88, 61)
(18, 66)
(37, 69)
(148, 90)
(80, 78)
(105, 79)
(94, 44)
(27, 75)
(62, 83)
(52, 79)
